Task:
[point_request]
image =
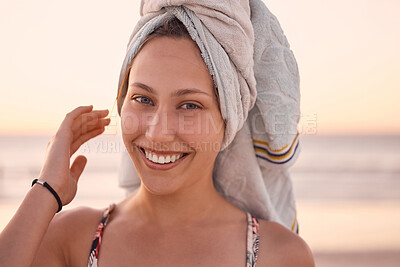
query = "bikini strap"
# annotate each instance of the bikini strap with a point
(95, 249)
(253, 240)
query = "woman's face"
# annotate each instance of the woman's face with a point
(171, 123)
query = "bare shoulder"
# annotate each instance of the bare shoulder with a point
(75, 221)
(281, 247)
(69, 233)
(76, 224)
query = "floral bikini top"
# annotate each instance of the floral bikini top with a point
(252, 239)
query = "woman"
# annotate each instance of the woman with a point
(173, 130)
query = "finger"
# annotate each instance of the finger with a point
(88, 126)
(86, 122)
(100, 123)
(83, 138)
(71, 116)
(88, 119)
(77, 167)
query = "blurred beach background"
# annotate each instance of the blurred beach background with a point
(55, 56)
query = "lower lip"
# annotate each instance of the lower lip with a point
(160, 167)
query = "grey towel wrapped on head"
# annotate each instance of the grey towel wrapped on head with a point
(257, 78)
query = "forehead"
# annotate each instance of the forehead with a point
(171, 62)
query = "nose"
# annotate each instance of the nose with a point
(160, 126)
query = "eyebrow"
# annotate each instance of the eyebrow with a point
(179, 92)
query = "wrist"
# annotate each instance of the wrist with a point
(47, 187)
(43, 199)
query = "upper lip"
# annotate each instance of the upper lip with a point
(163, 151)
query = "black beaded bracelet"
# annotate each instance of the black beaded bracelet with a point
(45, 184)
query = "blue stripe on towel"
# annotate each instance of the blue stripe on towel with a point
(279, 162)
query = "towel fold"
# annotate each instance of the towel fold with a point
(224, 34)
(257, 79)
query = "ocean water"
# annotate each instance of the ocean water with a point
(362, 168)
(329, 168)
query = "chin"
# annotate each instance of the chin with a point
(160, 186)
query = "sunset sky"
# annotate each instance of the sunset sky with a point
(56, 55)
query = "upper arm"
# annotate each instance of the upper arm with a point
(59, 242)
(50, 252)
(281, 247)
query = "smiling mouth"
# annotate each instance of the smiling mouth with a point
(164, 158)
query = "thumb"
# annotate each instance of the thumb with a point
(77, 167)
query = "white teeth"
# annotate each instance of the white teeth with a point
(162, 159)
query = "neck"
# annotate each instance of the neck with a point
(191, 205)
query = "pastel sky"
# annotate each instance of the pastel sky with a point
(56, 55)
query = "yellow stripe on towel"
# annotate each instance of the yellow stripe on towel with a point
(269, 148)
(294, 222)
(288, 154)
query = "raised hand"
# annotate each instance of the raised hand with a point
(79, 126)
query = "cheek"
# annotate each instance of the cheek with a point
(203, 129)
(130, 123)
(131, 118)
